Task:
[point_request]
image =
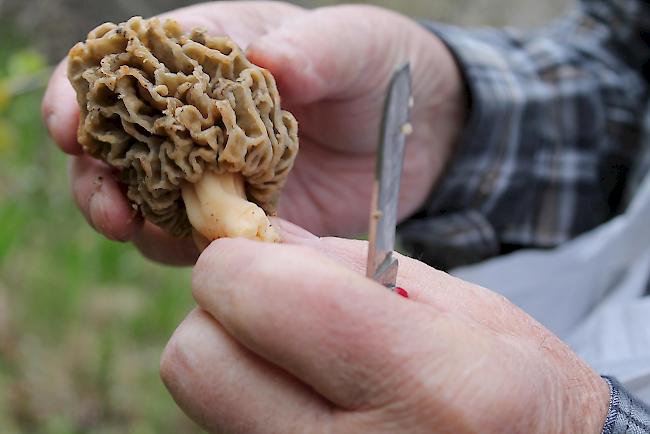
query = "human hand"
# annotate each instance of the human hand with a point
(292, 339)
(332, 66)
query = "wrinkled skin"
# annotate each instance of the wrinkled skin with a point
(305, 344)
(332, 66)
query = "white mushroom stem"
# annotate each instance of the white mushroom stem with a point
(217, 207)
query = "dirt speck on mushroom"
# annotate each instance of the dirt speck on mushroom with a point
(194, 128)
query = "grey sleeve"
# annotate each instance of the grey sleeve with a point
(626, 415)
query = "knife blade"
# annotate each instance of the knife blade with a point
(381, 265)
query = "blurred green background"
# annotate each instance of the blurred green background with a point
(83, 320)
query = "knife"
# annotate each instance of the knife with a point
(395, 126)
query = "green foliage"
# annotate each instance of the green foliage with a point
(82, 320)
(27, 61)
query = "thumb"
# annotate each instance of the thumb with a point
(291, 233)
(352, 254)
(337, 52)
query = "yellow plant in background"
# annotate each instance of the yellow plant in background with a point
(5, 97)
(7, 132)
(25, 62)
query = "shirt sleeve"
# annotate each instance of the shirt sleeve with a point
(626, 414)
(554, 127)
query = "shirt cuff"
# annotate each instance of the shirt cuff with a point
(492, 128)
(626, 414)
(457, 213)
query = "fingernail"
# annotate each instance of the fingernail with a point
(291, 233)
(50, 122)
(103, 218)
(296, 57)
(96, 209)
(280, 52)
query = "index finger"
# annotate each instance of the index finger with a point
(61, 112)
(327, 325)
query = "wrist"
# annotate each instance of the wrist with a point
(555, 392)
(584, 398)
(591, 407)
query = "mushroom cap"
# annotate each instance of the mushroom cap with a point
(163, 107)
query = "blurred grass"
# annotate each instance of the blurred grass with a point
(82, 320)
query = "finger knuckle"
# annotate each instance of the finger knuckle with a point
(170, 363)
(176, 360)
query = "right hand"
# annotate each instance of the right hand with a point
(332, 66)
(293, 339)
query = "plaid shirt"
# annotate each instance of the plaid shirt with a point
(555, 128)
(557, 141)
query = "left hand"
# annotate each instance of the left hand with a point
(293, 339)
(332, 66)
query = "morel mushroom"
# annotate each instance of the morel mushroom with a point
(193, 127)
